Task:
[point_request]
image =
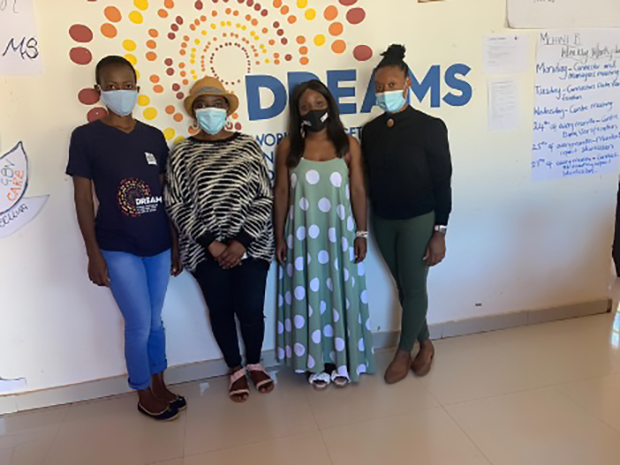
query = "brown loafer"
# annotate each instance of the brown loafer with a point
(422, 363)
(399, 368)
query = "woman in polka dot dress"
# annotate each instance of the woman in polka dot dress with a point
(320, 222)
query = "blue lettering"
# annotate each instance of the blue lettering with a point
(453, 81)
(253, 85)
(431, 82)
(460, 93)
(370, 98)
(334, 78)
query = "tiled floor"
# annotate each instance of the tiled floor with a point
(540, 395)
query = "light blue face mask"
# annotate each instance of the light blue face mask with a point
(211, 120)
(392, 101)
(120, 102)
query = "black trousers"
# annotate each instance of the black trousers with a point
(236, 292)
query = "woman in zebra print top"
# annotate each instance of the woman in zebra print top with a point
(219, 196)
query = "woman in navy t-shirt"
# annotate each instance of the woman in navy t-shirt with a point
(129, 241)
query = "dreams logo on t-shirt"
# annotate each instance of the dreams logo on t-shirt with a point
(135, 199)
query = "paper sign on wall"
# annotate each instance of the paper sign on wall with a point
(507, 54)
(503, 104)
(557, 14)
(19, 45)
(577, 104)
(15, 210)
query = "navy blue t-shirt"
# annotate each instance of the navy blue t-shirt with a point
(125, 169)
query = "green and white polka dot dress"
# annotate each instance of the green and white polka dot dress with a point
(322, 300)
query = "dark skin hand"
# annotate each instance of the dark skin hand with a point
(227, 256)
(319, 148)
(232, 255)
(85, 208)
(358, 197)
(436, 251)
(177, 264)
(282, 188)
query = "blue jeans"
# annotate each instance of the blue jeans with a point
(139, 286)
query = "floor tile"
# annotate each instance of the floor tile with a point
(26, 438)
(304, 449)
(538, 427)
(215, 422)
(36, 419)
(565, 351)
(494, 412)
(428, 437)
(27, 448)
(6, 456)
(369, 399)
(474, 367)
(111, 431)
(169, 462)
(601, 396)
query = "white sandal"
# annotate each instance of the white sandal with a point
(234, 377)
(339, 380)
(319, 381)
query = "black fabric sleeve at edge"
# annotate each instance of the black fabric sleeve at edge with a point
(244, 238)
(440, 164)
(206, 240)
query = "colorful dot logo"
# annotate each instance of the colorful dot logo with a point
(226, 39)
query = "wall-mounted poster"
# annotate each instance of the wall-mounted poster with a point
(19, 44)
(16, 211)
(557, 14)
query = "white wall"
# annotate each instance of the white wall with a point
(513, 245)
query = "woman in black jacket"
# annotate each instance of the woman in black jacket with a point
(409, 170)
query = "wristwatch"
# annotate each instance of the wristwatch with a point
(441, 229)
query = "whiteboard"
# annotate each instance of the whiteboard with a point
(557, 14)
(577, 104)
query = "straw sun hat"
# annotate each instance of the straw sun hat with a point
(210, 86)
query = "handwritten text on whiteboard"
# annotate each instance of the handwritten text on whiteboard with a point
(577, 104)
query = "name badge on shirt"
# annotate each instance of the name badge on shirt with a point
(150, 158)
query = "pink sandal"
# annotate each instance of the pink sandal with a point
(234, 377)
(258, 368)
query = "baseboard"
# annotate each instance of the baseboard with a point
(210, 369)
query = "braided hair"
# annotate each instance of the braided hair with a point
(394, 56)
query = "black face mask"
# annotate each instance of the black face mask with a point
(315, 120)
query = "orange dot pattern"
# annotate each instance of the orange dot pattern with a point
(221, 31)
(108, 30)
(112, 14)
